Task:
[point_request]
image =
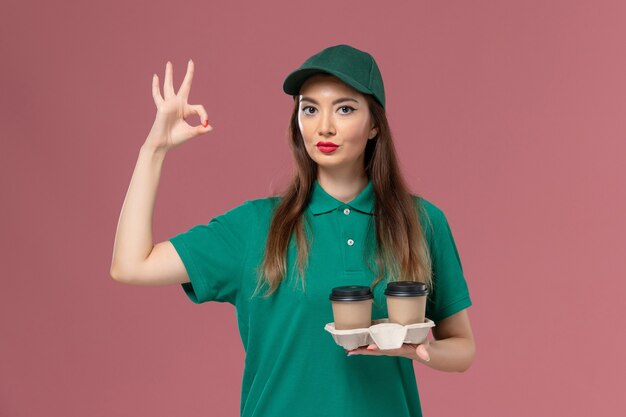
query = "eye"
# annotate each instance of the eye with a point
(349, 108)
(304, 109)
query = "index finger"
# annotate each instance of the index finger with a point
(156, 92)
(186, 85)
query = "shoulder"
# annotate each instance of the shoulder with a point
(248, 219)
(428, 211)
(246, 212)
(262, 206)
(258, 210)
(428, 206)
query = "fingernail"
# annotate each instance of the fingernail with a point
(190, 61)
(350, 353)
(206, 123)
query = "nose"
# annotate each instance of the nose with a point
(326, 124)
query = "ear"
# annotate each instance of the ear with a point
(373, 133)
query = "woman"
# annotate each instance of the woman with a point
(345, 219)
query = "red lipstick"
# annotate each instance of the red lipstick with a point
(327, 147)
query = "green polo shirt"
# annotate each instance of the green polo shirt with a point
(293, 366)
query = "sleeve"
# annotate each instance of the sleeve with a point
(450, 293)
(214, 254)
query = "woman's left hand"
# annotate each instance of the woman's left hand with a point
(407, 350)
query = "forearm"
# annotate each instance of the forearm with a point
(454, 354)
(133, 238)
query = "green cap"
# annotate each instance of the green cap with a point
(356, 68)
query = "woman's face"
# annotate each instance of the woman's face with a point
(332, 113)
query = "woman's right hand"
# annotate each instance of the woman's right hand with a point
(170, 127)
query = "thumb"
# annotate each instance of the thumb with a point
(422, 353)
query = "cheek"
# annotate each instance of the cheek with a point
(303, 127)
(356, 132)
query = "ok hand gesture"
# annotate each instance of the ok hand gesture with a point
(170, 128)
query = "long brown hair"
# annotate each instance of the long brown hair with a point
(401, 251)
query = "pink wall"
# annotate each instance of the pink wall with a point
(508, 115)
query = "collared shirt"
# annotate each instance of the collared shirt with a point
(322, 202)
(351, 241)
(292, 365)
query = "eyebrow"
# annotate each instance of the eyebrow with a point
(339, 100)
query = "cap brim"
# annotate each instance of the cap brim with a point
(294, 81)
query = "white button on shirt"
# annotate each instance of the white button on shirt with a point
(346, 211)
(350, 242)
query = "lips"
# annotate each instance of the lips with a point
(326, 144)
(327, 147)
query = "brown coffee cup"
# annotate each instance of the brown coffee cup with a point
(406, 302)
(352, 307)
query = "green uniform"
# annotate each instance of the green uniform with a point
(293, 366)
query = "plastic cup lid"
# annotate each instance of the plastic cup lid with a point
(406, 289)
(351, 293)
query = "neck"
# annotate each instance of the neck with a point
(344, 187)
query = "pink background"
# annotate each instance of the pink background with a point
(510, 116)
